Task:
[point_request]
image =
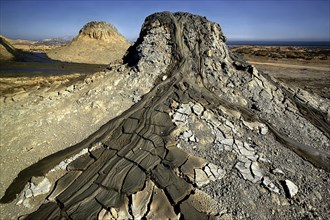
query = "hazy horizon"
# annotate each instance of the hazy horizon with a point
(239, 20)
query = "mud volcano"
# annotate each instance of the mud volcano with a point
(213, 138)
(97, 42)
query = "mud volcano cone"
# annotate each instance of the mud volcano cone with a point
(212, 134)
(97, 43)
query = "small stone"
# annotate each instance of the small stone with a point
(193, 139)
(243, 158)
(225, 130)
(28, 193)
(26, 203)
(244, 169)
(277, 171)
(42, 187)
(187, 134)
(114, 213)
(179, 117)
(291, 188)
(21, 198)
(263, 159)
(174, 104)
(209, 53)
(248, 147)
(245, 152)
(227, 141)
(218, 135)
(209, 174)
(201, 178)
(198, 109)
(228, 147)
(269, 185)
(263, 130)
(88, 80)
(141, 199)
(229, 124)
(185, 109)
(70, 88)
(121, 68)
(207, 115)
(104, 215)
(216, 171)
(252, 125)
(256, 171)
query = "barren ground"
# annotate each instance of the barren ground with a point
(41, 115)
(310, 74)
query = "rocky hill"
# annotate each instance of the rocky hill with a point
(189, 131)
(97, 43)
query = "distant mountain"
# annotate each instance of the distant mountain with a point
(10, 52)
(97, 42)
(58, 41)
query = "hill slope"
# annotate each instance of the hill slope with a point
(97, 43)
(7, 51)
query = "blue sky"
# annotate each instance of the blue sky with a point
(240, 20)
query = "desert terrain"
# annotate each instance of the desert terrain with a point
(176, 126)
(304, 67)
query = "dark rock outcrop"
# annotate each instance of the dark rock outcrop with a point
(204, 142)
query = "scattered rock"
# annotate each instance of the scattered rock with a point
(290, 188)
(198, 109)
(256, 171)
(278, 171)
(185, 109)
(263, 130)
(269, 185)
(201, 178)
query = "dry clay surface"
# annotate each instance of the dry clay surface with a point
(198, 135)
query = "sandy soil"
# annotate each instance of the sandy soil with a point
(293, 66)
(307, 68)
(314, 77)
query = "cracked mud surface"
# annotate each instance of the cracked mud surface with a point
(214, 138)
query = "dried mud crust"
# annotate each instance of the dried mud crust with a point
(213, 139)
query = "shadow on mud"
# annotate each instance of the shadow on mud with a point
(28, 64)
